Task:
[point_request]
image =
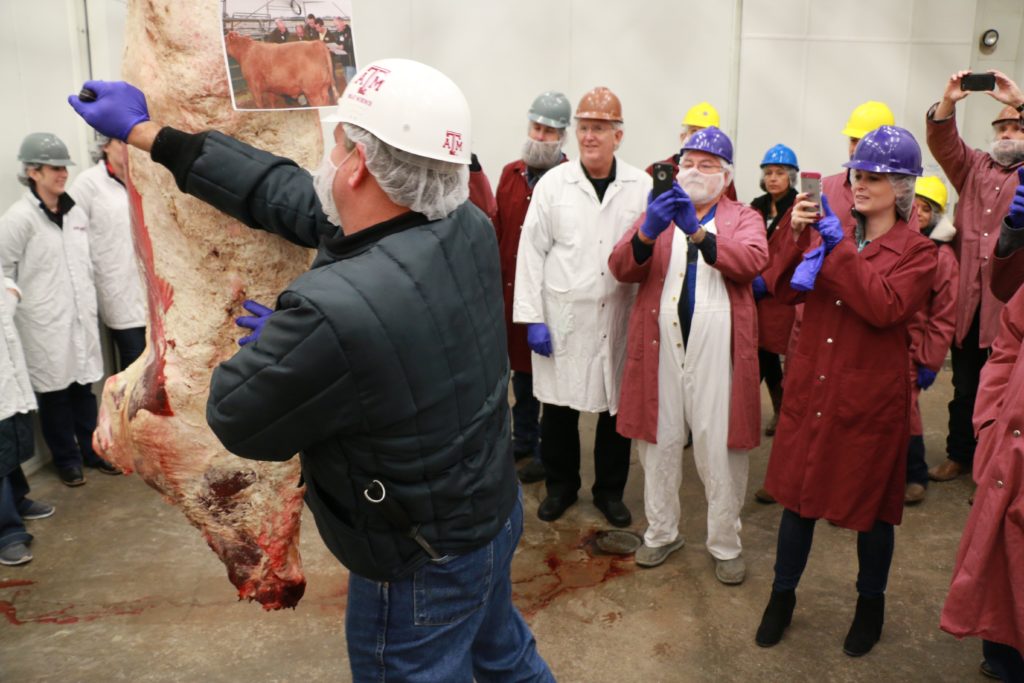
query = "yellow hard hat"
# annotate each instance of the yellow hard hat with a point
(702, 115)
(868, 117)
(931, 187)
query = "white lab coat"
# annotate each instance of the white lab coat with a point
(694, 389)
(122, 299)
(563, 280)
(15, 389)
(57, 316)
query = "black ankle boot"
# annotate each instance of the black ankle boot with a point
(866, 629)
(776, 618)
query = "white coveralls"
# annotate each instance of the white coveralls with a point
(57, 318)
(694, 386)
(122, 299)
(563, 280)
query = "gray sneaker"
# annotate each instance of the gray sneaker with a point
(731, 572)
(37, 510)
(646, 556)
(15, 554)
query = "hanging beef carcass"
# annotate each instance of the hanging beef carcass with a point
(199, 266)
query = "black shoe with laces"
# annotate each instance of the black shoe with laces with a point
(776, 618)
(71, 476)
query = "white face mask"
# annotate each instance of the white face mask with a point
(323, 183)
(702, 187)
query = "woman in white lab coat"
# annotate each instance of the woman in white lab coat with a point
(44, 248)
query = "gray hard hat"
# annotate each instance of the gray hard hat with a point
(551, 109)
(44, 148)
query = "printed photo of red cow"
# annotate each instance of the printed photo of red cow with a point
(286, 62)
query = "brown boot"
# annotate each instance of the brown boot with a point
(948, 470)
(914, 494)
(762, 496)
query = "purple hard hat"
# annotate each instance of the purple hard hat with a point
(710, 140)
(887, 149)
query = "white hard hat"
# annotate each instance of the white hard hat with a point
(410, 106)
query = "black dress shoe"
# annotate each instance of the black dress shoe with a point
(71, 476)
(615, 511)
(103, 466)
(554, 507)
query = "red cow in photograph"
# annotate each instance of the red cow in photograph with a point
(292, 69)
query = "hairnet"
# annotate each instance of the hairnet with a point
(903, 186)
(96, 151)
(428, 186)
(23, 174)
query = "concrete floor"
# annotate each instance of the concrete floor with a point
(123, 589)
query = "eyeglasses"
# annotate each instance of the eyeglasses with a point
(593, 128)
(707, 167)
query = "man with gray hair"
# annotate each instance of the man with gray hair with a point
(575, 311)
(384, 366)
(542, 150)
(985, 183)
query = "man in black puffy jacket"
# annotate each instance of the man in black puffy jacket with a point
(384, 366)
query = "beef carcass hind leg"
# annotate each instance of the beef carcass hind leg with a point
(199, 266)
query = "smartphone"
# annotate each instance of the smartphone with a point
(978, 82)
(663, 176)
(810, 184)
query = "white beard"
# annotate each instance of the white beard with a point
(541, 155)
(1007, 152)
(701, 187)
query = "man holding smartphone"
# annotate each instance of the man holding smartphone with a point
(986, 183)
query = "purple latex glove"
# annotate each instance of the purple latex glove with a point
(538, 338)
(759, 287)
(119, 107)
(807, 272)
(253, 322)
(1016, 216)
(925, 377)
(686, 215)
(660, 211)
(829, 226)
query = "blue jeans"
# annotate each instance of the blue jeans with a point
(453, 620)
(525, 416)
(13, 489)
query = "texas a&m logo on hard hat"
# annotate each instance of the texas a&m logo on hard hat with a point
(452, 142)
(371, 79)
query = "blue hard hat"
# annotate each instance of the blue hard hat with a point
(780, 155)
(887, 149)
(710, 140)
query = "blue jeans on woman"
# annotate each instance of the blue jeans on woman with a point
(453, 620)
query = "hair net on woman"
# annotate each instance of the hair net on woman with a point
(903, 186)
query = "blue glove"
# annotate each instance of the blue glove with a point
(118, 108)
(807, 272)
(686, 215)
(538, 338)
(1016, 217)
(660, 211)
(829, 227)
(253, 322)
(925, 377)
(759, 287)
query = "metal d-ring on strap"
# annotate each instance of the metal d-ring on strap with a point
(395, 514)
